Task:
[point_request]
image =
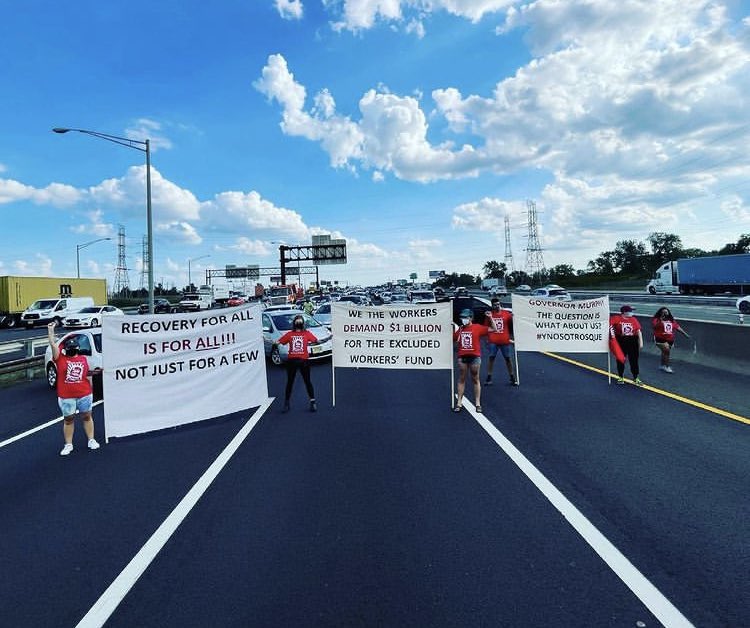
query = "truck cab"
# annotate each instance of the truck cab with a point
(664, 280)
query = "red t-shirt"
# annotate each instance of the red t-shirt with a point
(503, 322)
(468, 339)
(72, 377)
(298, 342)
(664, 330)
(626, 326)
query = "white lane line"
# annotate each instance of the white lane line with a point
(646, 592)
(13, 439)
(103, 608)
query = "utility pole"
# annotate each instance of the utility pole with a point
(122, 283)
(534, 257)
(508, 253)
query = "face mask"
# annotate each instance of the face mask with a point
(465, 321)
(496, 308)
(71, 352)
(299, 325)
(627, 314)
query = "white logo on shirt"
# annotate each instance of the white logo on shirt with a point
(627, 329)
(298, 344)
(74, 373)
(467, 340)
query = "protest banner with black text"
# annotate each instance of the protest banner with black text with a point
(166, 370)
(561, 326)
(392, 337)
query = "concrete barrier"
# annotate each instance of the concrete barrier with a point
(721, 345)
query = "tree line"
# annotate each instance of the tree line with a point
(629, 260)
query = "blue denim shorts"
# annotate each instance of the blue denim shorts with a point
(68, 407)
(493, 349)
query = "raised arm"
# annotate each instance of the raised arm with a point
(52, 343)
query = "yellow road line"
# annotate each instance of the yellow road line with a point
(691, 402)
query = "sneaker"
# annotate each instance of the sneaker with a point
(313, 406)
(67, 449)
(637, 381)
(620, 380)
(668, 369)
(488, 381)
(479, 409)
(513, 381)
(93, 444)
(664, 368)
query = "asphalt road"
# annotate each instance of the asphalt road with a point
(389, 510)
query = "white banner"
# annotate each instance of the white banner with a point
(164, 370)
(561, 326)
(397, 337)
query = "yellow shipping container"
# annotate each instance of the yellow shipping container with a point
(18, 293)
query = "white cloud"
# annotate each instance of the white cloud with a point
(339, 136)
(3, 168)
(180, 231)
(146, 129)
(41, 266)
(290, 9)
(55, 194)
(240, 211)
(356, 15)
(169, 201)
(487, 214)
(96, 225)
(247, 246)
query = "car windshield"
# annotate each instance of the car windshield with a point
(422, 295)
(324, 309)
(43, 304)
(191, 297)
(557, 292)
(284, 320)
(90, 310)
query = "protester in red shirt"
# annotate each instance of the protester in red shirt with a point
(629, 337)
(665, 327)
(500, 340)
(298, 339)
(74, 392)
(468, 337)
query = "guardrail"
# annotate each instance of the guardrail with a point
(11, 366)
(27, 345)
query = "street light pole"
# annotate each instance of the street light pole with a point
(78, 251)
(143, 146)
(195, 259)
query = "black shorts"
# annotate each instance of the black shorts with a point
(470, 359)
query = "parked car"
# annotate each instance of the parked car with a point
(323, 314)
(90, 316)
(161, 306)
(461, 291)
(90, 345)
(743, 304)
(235, 300)
(357, 299)
(479, 305)
(277, 323)
(498, 291)
(422, 296)
(523, 289)
(551, 294)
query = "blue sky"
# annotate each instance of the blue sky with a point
(410, 128)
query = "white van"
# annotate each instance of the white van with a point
(192, 302)
(54, 309)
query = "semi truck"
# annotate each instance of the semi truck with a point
(703, 275)
(18, 293)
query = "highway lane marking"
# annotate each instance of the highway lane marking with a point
(644, 590)
(13, 439)
(103, 608)
(692, 402)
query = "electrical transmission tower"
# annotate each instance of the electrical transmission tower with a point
(509, 265)
(534, 258)
(122, 283)
(145, 264)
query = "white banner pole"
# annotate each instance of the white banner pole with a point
(518, 377)
(333, 382)
(453, 386)
(609, 368)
